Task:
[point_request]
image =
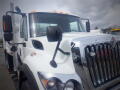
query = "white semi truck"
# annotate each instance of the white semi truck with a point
(53, 51)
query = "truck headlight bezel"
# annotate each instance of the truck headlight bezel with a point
(54, 83)
(76, 55)
(69, 85)
(72, 84)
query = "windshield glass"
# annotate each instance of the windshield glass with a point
(40, 21)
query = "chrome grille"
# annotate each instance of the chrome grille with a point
(103, 62)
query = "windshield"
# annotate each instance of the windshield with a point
(40, 21)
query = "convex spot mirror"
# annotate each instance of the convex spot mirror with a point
(54, 33)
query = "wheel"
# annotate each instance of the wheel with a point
(25, 85)
(26, 78)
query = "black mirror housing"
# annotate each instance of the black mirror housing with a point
(7, 28)
(88, 26)
(54, 33)
(8, 36)
(7, 23)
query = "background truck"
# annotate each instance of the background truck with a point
(53, 51)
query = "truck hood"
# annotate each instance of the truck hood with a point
(49, 47)
(64, 62)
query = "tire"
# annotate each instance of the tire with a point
(9, 62)
(27, 80)
(25, 85)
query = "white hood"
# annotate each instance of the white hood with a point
(65, 63)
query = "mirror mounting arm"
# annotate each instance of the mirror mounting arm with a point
(52, 62)
(66, 53)
(24, 44)
(23, 14)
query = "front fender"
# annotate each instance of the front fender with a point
(29, 75)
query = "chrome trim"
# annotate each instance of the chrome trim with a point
(83, 71)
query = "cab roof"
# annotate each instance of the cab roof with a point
(54, 13)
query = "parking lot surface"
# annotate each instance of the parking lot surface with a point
(6, 83)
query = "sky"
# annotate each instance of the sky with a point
(102, 13)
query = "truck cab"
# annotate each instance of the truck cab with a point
(53, 51)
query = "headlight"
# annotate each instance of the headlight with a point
(76, 55)
(69, 86)
(72, 85)
(51, 82)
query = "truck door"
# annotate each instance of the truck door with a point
(23, 38)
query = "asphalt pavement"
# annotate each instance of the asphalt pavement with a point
(6, 83)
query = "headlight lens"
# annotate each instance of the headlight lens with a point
(50, 83)
(53, 83)
(72, 85)
(69, 86)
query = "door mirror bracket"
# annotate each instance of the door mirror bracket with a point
(13, 44)
(54, 33)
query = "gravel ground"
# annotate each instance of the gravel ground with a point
(2, 60)
(6, 83)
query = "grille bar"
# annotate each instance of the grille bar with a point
(103, 62)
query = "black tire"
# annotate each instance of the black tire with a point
(9, 62)
(25, 85)
(27, 80)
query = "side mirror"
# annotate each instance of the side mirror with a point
(7, 23)
(88, 26)
(7, 28)
(54, 33)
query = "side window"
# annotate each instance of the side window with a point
(23, 30)
(74, 27)
(42, 27)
